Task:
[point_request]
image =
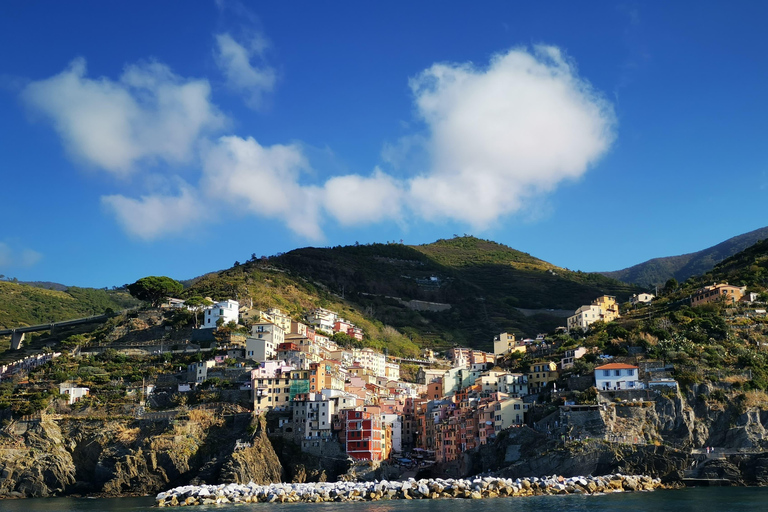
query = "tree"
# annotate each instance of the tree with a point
(671, 285)
(155, 289)
(197, 303)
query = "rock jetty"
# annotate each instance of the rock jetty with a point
(476, 488)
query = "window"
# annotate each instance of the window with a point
(606, 373)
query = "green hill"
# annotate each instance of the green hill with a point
(747, 268)
(22, 305)
(658, 270)
(486, 285)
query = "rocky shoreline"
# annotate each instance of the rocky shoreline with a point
(476, 488)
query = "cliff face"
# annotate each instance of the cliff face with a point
(692, 420)
(643, 435)
(131, 457)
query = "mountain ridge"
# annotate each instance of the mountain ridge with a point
(658, 271)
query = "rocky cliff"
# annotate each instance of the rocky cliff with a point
(662, 436)
(115, 457)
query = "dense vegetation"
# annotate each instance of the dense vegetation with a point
(484, 282)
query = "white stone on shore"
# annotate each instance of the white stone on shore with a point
(476, 488)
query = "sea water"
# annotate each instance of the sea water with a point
(700, 499)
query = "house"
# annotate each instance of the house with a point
(73, 393)
(608, 306)
(271, 386)
(427, 375)
(540, 375)
(604, 308)
(505, 343)
(724, 292)
(270, 332)
(641, 298)
(260, 349)
(371, 360)
(395, 423)
(362, 434)
(226, 311)
(322, 319)
(583, 317)
(312, 418)
(198, 372)
(616, 376)
(392, 371)
(570, 356)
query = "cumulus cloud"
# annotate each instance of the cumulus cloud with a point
(148, 114)
(153, 216)
(264, 181)
(354, 200)
(501, 134)
(235, 61)
(494, 138)
(13, 256)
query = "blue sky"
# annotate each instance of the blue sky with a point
(173, 138)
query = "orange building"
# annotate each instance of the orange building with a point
(724, 292)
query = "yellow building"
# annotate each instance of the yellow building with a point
(540, 375)
(724, 292)
(505, 343)
(609, 307)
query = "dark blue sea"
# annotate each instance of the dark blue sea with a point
(701, 499)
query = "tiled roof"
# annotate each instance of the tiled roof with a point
(616, 366)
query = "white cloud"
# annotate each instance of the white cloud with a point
(154, 216)
(263, 181)
(234, 60)
(148, 114)
(504, 133)
(13, 256)
(354, 200)
(495, 138)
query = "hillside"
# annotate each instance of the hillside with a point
(747, 268)
(485, 284)
(22, 304)
(658, 270)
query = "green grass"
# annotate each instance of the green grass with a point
(22, 305)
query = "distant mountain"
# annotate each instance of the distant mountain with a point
(658, 270)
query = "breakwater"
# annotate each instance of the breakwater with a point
(475, 488)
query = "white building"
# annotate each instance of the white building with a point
(268, 331)
(322, 319)
(74, 393)
(260, 349)
(639, 298)
(226, 310)
(198, 372)
(312, 414)
(615, 376)
(584, 317)
(341, 399)
(395, 421)
(373, 361)
(392, 371)
(513, 384)
(570, 356)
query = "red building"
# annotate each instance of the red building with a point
(362, 435)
